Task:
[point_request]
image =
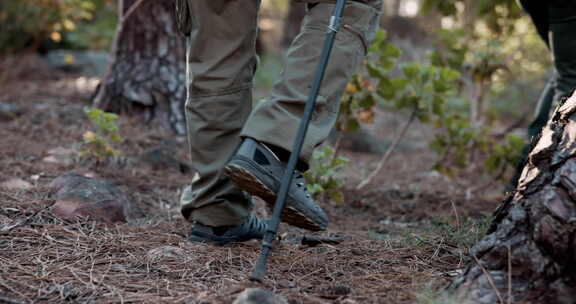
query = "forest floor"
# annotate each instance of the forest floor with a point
(406, 236)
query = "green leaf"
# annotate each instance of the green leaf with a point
(336, 196)
(437, 106)
(448, 75)
(352, 125)
(376, 71)
(387, 88)
(315, 188)
(410, 70)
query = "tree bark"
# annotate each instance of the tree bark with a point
(396, 5)
(529, 253)
(147, 71)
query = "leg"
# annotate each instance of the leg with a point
(221, 63)
(543, 109)
(258, 166)
(555, 21)
(276, 121)
(538, 11)
(562, 15)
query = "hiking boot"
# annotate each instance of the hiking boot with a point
(256, 169)
(252, 228)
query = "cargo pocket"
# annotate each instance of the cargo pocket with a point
(361, 21)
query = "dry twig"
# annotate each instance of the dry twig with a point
(490, 280)
(388, 153)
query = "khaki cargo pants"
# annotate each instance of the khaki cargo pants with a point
(222, 60)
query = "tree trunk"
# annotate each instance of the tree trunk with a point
(396, 5)
(296, 13)
(470, 17)
(148, 66)
(529, 253)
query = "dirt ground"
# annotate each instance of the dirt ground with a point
(405, 236)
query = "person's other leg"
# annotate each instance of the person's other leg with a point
(275, 121)
(562, 16)
(221, 61)
(542, 112)
(538, 12)
(555, 22)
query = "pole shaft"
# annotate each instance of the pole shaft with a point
(260, 268)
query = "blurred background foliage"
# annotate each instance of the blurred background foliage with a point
(41, 25)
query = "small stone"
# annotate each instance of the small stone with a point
(286, 284)
(259, 296)
(105, 211)
(9, 111)
(16, 183)
(162, 158)
(97, 199)
(61, 156)
(336, 291)
(85, 172)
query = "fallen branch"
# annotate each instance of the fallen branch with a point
(388, 153)
(314, 240)
(490, 280)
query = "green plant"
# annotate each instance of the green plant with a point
(463, 234)
(495, 16)
(421, 89)
(98, 144)
(467, 135)
(324, 178)
(362, 92)
(34, 24)
(27, 23)
(433, 94)
(505, 154)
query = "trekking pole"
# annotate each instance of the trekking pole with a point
(260, 269)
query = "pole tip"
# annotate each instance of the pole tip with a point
(257, 276)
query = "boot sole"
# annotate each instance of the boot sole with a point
(250, 183)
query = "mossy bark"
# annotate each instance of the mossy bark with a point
(529, 253)
(147, 72)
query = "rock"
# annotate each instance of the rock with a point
(9, 111)
(70, 114)
(162, 158)
(87, 63)
(85, 172)
(16, 183)
(336, 291)
(61, 156)
(97, 199)
(259, 296)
